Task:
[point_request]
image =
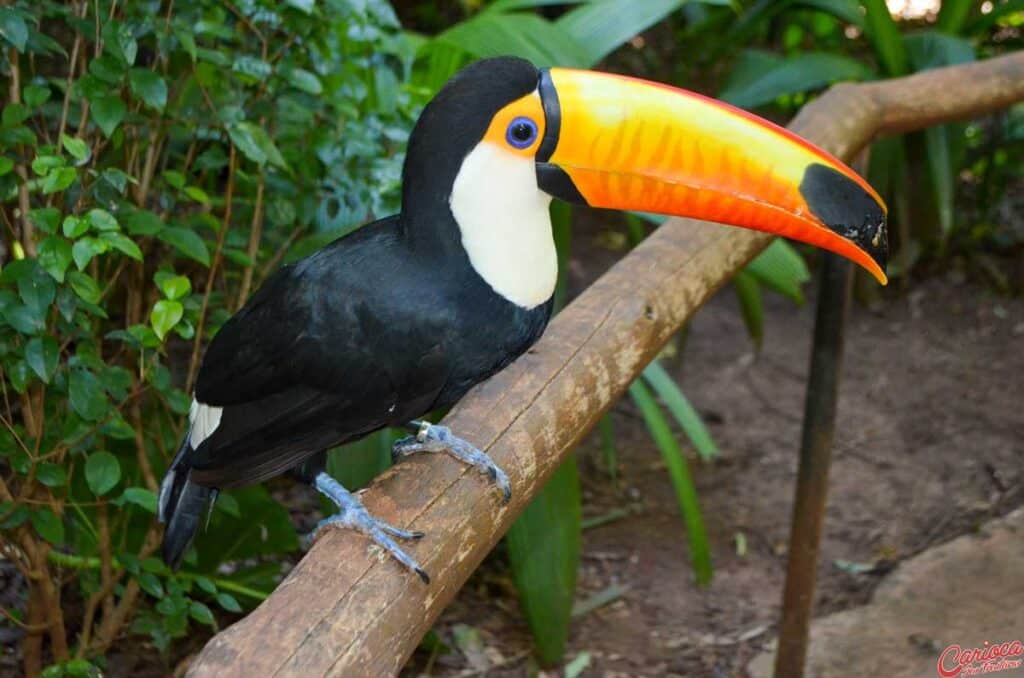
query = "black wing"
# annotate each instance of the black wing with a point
(328, 350)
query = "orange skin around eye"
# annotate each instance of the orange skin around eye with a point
(528, 106)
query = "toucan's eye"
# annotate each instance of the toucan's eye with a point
(521, 132)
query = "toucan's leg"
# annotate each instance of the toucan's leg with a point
(433, 438)
(352, 514)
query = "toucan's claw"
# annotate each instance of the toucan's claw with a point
(353, 515)
(434, 438)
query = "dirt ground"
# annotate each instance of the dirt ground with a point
(930, 443)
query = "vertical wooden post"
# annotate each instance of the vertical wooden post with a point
(815, 459)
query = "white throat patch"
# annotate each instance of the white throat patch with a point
(505, 225)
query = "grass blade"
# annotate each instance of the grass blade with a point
(681, 409)
(781, 269)
(953, 15)
(544, 552)
(561, 229)
(751, 306)
(686, 493)
(885, 38)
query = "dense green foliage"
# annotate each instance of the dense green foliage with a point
(158, 160)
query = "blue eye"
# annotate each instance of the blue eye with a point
(521, 132)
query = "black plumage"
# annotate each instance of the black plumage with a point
(376, 329)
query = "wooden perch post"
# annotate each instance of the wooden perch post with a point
(346, 610)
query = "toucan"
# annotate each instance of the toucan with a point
(403, 316)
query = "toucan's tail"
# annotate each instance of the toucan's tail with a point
(183, 505)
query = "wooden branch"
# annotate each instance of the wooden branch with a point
(348, 610)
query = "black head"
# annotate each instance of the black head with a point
(454, 122)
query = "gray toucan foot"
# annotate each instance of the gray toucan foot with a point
(433, 438)
(353, 515)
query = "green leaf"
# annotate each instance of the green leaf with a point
(78, 149)
(45, 218)
(544, 552)
(781, 268)
(142, 222)
(751, 307)
(74, 227)
(58, 179)
(13, 28)
(149, 87)
(141, 497)
(517, 34)
(11, 518)
(48, 526)
(679, 472)
(51, 475)
(255, 144)
(41, 355)
(164, 316)
(6, 165)
(55, 256)
(149, 583)
(200, 612)
(102, 472)
(206, 585)
(108, 112)
(599, 28)
(802, 73)
(23, 319)
(119, 41)
(42, 164)
(85, 249)
(885, 38)
(186, 242)
(305, 81)
(123, 244)
(15, 114)
(683, 412)
(35, 96)
(228, 602)
(37, 291)
(86, 394)
(953, 15)
(101, 219)
(173, 286)
(197, 194)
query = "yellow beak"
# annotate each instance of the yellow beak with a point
(623, 143)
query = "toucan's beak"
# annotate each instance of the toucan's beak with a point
(623, 143)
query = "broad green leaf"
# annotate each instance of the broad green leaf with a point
(149, 87)
(85, 287)
(602, 27)
(55, 256)
(304, 80)
(255, 144)
(751, 306)
(24, 319)
(41, 165)
(88, 399)
(15, 114)
(101, 219)
(13, 28)
(48, 526)
(150, 583)
(517, 34)
(35, 96)
(42, 354)
(141, 497)
(102, 472)
(37, 290)
(173, 286)
(186, 242)
(74, 227)
(45, 218)
(802, 73)
(544, 553)
(197, 194)
(682, 411)
(781, 268)
(58, 179)
(119, 41)
(108, 112)
(200, 612)
(51, 475)
(78, 149)
(679, 472)
(123, 244)
(228, 602)
(85, 249)
(164, 316)
(142, 222)
(6, 165)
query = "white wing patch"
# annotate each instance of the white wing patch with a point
(203, 421)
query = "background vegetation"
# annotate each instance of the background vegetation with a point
(159, 159)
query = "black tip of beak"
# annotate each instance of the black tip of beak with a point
(845, 207)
